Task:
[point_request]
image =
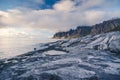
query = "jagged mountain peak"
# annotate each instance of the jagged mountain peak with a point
(105, 26)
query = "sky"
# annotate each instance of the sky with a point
(42, 18)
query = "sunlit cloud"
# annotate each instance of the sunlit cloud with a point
(63, 15)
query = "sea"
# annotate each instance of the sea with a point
(11, 47)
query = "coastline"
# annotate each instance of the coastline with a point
(79, 59)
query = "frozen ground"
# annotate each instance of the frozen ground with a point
(86, 58)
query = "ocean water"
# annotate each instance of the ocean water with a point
(10, 46)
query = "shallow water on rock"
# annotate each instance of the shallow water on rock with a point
(53, 52)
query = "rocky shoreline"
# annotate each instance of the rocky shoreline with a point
(85, 58)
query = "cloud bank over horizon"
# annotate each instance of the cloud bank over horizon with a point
(45, 17)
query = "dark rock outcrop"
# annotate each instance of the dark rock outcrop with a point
(79, 31)
(106, 26)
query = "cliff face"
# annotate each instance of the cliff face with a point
(79, 31)
(106, 26)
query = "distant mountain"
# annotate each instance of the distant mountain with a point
(79, 31)
(106, 26)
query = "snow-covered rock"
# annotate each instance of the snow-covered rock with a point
(115, 46)
(86, 58)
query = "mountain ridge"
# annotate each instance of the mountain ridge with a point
(80, 31)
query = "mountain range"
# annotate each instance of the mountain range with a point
(80, 31)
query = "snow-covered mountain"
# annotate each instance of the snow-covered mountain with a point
(86, 58)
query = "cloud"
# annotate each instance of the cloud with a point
(73, 5)
(66, 5)
(65, 14)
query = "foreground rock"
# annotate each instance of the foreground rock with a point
(86, 58)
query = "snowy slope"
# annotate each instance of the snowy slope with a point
(86, 58)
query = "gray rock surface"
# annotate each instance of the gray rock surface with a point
(85, 58)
